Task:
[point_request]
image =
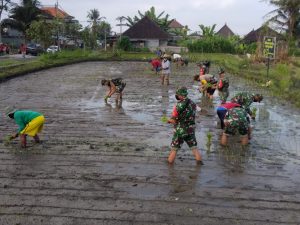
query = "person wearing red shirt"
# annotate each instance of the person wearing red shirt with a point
(156, 65)
(222, 110)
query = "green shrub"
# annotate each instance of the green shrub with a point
(124, 44)
(215, 44)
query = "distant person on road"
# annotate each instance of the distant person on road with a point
(115, 86)
(23, 50)
(235, 121)
(223, 85)
(245, 100)
(30, 123)
(156, 65)
(183, 118)
(166, 70)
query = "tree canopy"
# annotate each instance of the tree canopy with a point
(286, 16)
(162, 21)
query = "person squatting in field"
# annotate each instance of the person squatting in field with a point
(183, 118)
(156, 65)
(30, 123)
(115, 86)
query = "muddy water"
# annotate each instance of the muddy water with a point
(106, 164)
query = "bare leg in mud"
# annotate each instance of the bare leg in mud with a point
(162, 78)
(167, 79)
(23, 140)
(197, 155)
(36, 139)
(119, 99)
(224, 139)
(172, 156)
(244, 140)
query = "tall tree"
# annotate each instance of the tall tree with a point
(286, 15)
(208, 31)
(23, 14)
(41, 32)
(94, 18)
(163, 22)
(3, 7)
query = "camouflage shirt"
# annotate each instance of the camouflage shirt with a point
(184, 113)
(244, 99)
(225, 84)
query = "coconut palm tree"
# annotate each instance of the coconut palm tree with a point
(22, 15)
(286, 15)
(208, 31)
(3, 7)
(163, 22)
(94, 18)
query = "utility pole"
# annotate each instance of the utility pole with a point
(121, 18)
(105, 38)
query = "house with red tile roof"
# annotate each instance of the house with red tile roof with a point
(52, 12)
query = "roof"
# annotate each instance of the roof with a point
(175, 24)
(55, 12)
(225, 31)
(146, 29)
(255, 35)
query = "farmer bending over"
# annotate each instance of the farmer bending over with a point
(183, 118)
(236, 122)
(114, 86)
(29, 122)
(246, 99)
(156, 65)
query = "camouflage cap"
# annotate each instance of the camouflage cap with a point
(182, 91)
(221, 70)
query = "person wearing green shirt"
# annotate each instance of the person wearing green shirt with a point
(29, 122)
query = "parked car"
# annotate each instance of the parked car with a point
(53, 49)
(4, 48)
(34, 49)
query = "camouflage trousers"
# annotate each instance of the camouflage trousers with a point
(120, 87)
(236, 121)
(223, 95)
(184, 135)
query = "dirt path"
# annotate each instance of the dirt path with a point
(99, 164)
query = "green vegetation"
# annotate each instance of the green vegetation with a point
(285, 77)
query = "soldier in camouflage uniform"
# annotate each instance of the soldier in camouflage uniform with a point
(236, 122)
(117, 86)
(223, 85)
(183, 118)
(246, 99)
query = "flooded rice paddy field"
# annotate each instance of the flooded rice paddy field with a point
(102, 164)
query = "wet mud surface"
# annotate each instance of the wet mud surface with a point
(102, 164)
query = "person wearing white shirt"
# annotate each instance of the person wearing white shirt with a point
(166, 70)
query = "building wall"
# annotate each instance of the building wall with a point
(152, 43)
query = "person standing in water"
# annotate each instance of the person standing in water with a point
(183, 118)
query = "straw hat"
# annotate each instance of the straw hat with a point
(9, 110)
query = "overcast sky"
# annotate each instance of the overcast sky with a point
(240, 15)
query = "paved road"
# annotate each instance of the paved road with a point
(99, 164)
